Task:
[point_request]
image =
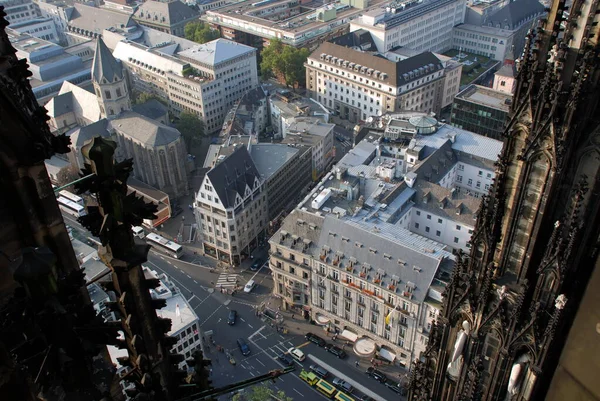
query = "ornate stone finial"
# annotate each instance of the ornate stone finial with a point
(557, 224)
(561, 301)
(99, 153)
(501, 292)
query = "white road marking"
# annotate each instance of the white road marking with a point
(169, 263)
(188, 276)
(211, 315)
(162, 257)
(258, 360)
(242, 320)
(195, 282)
(256, 332)
(298, 392)
(192, 297)
(253, 375)
(291, 345)
(250, 326)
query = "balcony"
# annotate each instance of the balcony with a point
(391, 287)
(363, 274)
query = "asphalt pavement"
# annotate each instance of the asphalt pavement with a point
(200, 287)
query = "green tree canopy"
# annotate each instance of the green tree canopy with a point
(143, 97)
(66, 175)
(285, 63)
(190, 126)
(260, 392)
(200, 32)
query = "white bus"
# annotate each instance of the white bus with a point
(72, 197)
(164, 245)
(72, 208)
(138, 232)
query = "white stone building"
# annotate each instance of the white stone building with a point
(368, 252)
(359, 85)
(231, 208)
(43, 28)
(424, 25)
(19, 10)
(206, 80)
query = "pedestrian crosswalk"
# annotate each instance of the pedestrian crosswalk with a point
(227, 280)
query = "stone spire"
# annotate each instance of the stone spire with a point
(110, 82)
(105, 67)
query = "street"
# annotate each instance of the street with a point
(201, 287)
(343, 141)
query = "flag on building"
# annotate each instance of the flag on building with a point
(177, 312)
(388, 318)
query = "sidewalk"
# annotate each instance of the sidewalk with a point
(300, 326)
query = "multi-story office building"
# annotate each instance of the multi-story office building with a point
(249, 116)
(43, 28)
(170, 16)
(206, 80)
(501, 31)
(319, 136)
(367, 253)
(231, 208)
(286, 171)
(19, 10)
(59, 12)
(50, 64)
(359, 85)
(424, 25)
(295, 23)
(481, 110)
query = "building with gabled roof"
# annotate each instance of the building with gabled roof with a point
(90, 22)
(157, 150)
(500, 31)
(359, 84)
(231, 208)
(368, 252)
(165, 16)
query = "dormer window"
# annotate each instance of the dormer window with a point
(379, 276)
(363, 270)
(393, 283)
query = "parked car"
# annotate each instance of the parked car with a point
(335, 350)
(319, 371)
(343, 385)
(286, 360)
(243, 347)
(249, 286)
(232, 317)
(377, 375)
(257, 264)
(297, 354)
(313, 338)
(395, 387)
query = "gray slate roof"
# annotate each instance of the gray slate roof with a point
(147, 131)
(60, 104)
(96, 20)
(514, 13)
(152, 109)
(419, 267)
(394, 70)
(165, 13)
(83, 134)
(270, 157)
(230, 177)
(105, 65)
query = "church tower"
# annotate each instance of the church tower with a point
(110, 83)
(509, 307)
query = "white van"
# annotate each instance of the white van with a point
(297, 354)
(249, 286)
(138, 232)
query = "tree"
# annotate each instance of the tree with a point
(260, 392)
(66, 175)
(190, 126)
(143, 97)
(285, 63)
(200, 32)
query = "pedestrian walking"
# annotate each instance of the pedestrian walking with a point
(356, 364)
(292, 315)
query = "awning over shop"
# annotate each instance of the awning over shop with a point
(321, 320)
(387, 354)
(348, 335)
